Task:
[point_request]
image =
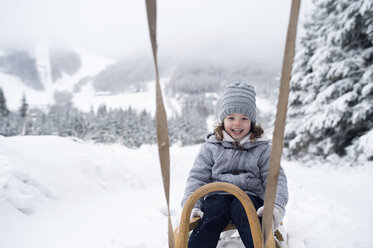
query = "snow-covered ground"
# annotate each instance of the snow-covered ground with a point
(59, 192)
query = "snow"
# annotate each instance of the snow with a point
(328, 206)
(91, 64)
(42, 63)
(144, 100)
(362, 148)
(61, 192)
(14, 88)
(87, 97)
(265, 105)
(366, 90)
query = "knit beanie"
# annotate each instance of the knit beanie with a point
(238, 97)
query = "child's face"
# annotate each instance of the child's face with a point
(237, 125)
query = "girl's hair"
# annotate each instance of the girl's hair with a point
(256, 132)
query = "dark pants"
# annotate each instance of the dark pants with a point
(217, 211)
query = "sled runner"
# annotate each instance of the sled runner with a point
(181, 233)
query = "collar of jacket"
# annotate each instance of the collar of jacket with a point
(240, 142)
(247, 144)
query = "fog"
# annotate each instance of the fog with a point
(233, 30)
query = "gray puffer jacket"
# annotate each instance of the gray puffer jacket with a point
(217, 159)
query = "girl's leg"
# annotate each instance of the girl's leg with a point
(239, 218)
(215, 217)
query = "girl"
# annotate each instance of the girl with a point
(235, 153)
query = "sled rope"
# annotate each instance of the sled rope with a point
(161, 117)
(278, 133)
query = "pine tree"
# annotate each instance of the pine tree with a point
(3, 108)
(24, 107)
(100, 128)
(23, 114)
(147, 128)
(331, 99)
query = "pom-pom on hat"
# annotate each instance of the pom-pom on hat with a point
(238, 97)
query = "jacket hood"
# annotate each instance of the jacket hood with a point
(210, 138)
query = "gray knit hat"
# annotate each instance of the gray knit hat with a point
(238, 97)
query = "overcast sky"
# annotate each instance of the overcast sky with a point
(115, 28)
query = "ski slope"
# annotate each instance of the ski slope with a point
(58, 192)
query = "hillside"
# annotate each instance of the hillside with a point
(48, 76)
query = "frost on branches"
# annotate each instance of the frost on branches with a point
(331, 96)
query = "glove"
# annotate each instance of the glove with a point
(278, 215)
(196, 212)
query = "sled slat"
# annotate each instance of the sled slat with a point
(195, 221)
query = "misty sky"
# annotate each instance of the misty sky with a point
(214, 29)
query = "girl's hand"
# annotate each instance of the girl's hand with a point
(196, 212)
(278, 215)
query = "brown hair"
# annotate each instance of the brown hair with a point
(255, 130)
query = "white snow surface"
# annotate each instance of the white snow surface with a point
(61, 192)
(14, 88)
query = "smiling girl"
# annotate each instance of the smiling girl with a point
(238, 154)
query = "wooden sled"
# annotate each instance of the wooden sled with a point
(181, 233)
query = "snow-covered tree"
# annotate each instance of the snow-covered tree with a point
(189, 127)
(24, 107)
(147, 128)
(23, 113)
(331, 97)
(10, 125)
(3, 108)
